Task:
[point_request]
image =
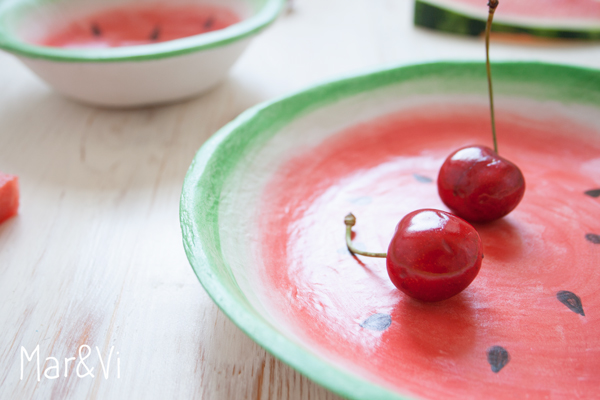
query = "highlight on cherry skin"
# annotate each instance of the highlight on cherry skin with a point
(478, 185)
(432, 256)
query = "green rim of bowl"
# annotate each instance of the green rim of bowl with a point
(243, 29)
(225, 151)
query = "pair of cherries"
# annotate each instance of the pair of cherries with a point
(434, 254)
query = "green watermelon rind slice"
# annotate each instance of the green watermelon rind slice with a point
(444, 16)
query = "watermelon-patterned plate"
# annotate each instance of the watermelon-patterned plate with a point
(562, 19)
(262, 214)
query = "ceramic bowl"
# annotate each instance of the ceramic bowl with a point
(132, 75)
(262, 213)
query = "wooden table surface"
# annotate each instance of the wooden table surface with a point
(95, 255)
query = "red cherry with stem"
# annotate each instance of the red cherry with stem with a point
(479, 185)
(432, 256)
(475, 182)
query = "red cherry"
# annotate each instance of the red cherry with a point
(433, 255)
(475, 182)
(479, 185)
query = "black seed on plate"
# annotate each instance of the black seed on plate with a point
(498, 357)
(593, 192)
(155, 33)
(96, 30)
(209, 23)
(423, 178)
(592, 237)
(377, 322)
(571, 300)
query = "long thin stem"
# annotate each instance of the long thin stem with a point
(350, 220)
(492, 4)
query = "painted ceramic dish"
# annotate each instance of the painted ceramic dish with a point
(557, 19)
(131, 53)
(262, 213)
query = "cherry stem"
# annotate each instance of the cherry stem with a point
(488, 27)
(350, 221)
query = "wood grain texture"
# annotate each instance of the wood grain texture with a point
(95, 255)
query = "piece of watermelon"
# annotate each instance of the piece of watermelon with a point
(9, 196)
(566, 19)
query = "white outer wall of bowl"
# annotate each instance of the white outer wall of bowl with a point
(139, 83)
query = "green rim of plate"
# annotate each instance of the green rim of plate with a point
(247, 27)
(226, 149)
(444, 19)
